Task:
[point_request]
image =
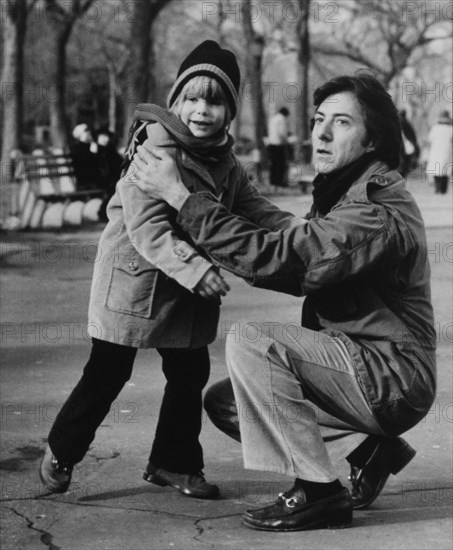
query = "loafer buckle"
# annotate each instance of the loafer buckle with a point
(289, 502)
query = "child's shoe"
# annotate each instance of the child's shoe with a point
(55, 475)
(192, 485)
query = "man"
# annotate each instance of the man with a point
(278, 147)
(361, 369)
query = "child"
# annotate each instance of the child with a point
(153, 289)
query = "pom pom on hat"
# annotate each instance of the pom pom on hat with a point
(209, 59)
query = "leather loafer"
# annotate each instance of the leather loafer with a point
(292, 512)
(55, 475)
(390, 456)
(192, 485)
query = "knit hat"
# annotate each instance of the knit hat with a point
(209, 59)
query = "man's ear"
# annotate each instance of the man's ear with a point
(371, 147)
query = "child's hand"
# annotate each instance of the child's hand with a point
(212, 285)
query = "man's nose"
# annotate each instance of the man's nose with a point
(324, 131)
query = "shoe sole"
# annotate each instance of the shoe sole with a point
(405, 456)
(333, 514)
(340, 521)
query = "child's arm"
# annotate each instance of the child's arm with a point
(151, 232)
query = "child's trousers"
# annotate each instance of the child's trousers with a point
(176, 447)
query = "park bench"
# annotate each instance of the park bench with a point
(47, 193)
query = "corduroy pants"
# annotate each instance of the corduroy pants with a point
(293, 400)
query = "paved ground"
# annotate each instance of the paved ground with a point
(44, 292)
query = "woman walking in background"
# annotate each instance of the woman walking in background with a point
(440, 152)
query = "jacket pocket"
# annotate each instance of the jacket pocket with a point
(131, 289)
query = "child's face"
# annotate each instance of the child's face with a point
(203, 117)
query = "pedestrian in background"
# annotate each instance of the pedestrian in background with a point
(278, 147)
(109, 166)
(84, 152)
(439, 165)
(410, 150)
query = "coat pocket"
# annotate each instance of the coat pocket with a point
(131, 290)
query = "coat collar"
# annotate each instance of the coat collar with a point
(377, 173)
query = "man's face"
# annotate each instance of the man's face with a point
(339, 133)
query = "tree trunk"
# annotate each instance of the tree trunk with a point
(303, 66)
(259, 112)
(140, 46)
(113, 93)
(57, 105)
(255, 47)
(12, 77)
(12, 86)
(61, 18)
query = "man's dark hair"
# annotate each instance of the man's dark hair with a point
(382, 122)
(284, 111)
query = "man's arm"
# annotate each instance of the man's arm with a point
(350, 240)
(250, 204)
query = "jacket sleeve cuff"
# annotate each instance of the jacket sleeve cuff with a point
(195, 271)
(195, 266)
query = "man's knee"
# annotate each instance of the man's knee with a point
(220, 404)
(248, 336)
(248, 342)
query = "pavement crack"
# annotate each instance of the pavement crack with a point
(199, 528)
(46, 538)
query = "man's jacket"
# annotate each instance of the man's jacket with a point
(364, 270)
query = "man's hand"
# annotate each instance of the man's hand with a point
(212, 285)
(157, 175)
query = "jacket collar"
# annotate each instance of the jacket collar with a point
(379, 174)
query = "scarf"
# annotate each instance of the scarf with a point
(209, 149)
(329, 188)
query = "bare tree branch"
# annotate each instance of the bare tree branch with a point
(349, 53)
(384, 40)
